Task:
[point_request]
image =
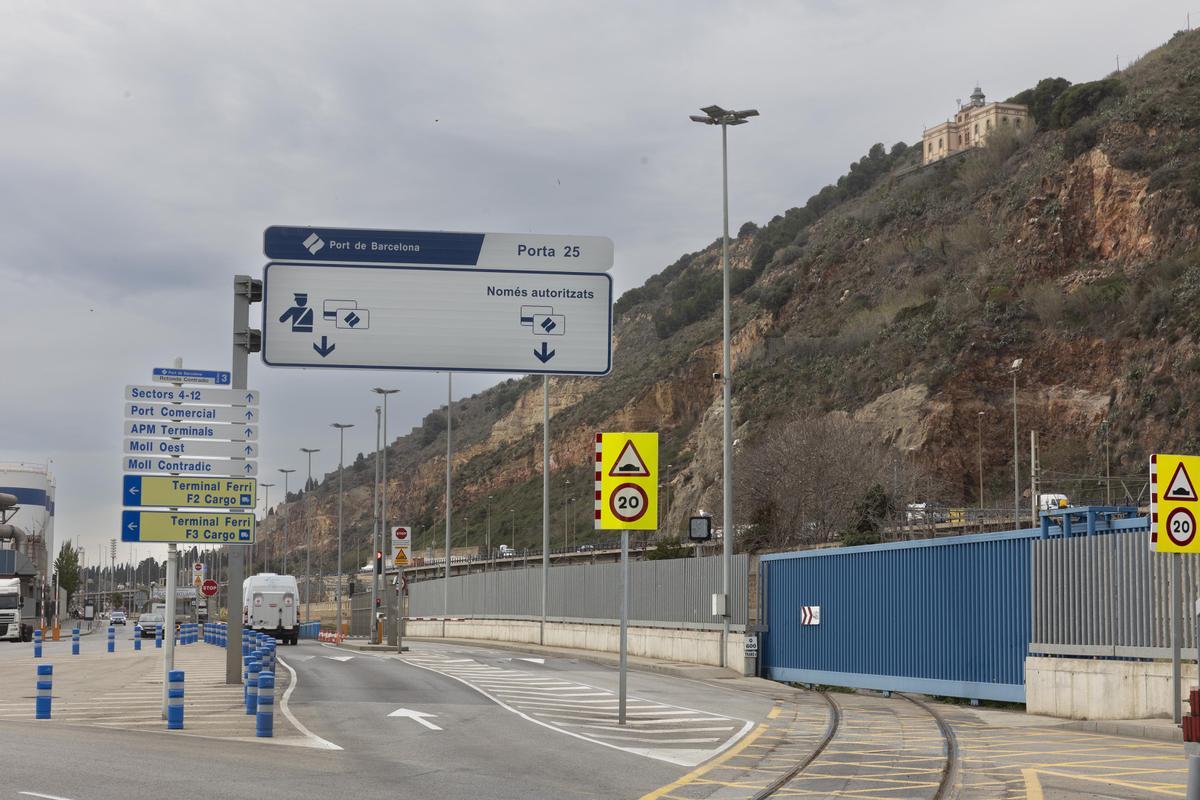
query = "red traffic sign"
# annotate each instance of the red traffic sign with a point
(628, 502)
(209, 588)
(1181, 526)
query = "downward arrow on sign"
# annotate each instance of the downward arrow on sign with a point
(418, 716)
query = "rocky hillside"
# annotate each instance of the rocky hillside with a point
(894, 300)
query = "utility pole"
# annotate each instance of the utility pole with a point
(376, 564)
(266, 515)
(246, 290)
(488, 541)
(449, 499)
(286, 515)
(545, 503)
(341, 428)
(1016, 366)
(384, 532)
(308, 523)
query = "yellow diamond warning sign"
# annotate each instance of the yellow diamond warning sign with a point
(626, 481)
(1174, 503)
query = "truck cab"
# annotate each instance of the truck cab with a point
(14, 626)
(270, 605)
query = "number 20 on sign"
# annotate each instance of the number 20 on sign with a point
(626, 481)
(1177, 503)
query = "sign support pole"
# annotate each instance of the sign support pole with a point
(449, 505)
(1176, 636)
(545, 503)
(169, 620)
(624, 666)
(243, 289)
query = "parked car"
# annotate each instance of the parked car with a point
(118, 618)
(150, 624)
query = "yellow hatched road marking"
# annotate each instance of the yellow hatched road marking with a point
(704, 768)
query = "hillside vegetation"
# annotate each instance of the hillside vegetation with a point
(884, 312)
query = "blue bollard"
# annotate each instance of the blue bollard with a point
(245, 642)
(158, 634)
(112, 639)
(37, 643)
(45, 684)
(265, 721)
(74, 641)
(175, 700)
(137, 637)
(252, 687)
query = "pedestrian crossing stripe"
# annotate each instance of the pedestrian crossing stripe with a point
(1181, 487)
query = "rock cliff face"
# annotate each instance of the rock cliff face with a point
(900, 306)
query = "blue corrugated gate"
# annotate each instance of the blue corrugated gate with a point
(942, 616)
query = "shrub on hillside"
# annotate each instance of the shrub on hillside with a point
(1041, 99)
(1082, 100)
(1082, 137)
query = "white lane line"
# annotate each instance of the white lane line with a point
(317, 741)
(47, 796)
(660, 730)
(686, 757)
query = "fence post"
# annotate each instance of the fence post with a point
(45, 685)
(265, 721)
(175, 700)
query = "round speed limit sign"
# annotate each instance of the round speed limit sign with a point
(628, 502)
(1181, 527)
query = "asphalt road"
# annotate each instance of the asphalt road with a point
(480, 749)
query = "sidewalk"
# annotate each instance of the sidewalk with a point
(124, 690)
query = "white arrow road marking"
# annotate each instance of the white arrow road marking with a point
(418, 716)
(338, 658)
(534, 660)
(47, 796)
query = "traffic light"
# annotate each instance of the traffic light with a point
(378, 562)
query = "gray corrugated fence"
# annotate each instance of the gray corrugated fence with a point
(1107, 596)
(675, 593)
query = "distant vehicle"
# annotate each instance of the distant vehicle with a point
(16, 622)
(270, 606)
(925, 514)
(118, 618)
(1052, 502)
(150, 623)
(585, 548)
(506, 551)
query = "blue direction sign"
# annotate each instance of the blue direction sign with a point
(173, 375)
(440, 248)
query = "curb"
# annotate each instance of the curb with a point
(1132, 729)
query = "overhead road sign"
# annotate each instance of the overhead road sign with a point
(192, 430)
(626, 481)
(189, 466)
(175, 375)
(446, 248)
(425, 318)
(191, 394)
(1175, 503)
(180, 413)
(192, 527)
(172, 492)
(200, 449)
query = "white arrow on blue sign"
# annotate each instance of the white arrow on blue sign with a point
(192, 394)
(189, 466)
(178, 413)
(199, 449)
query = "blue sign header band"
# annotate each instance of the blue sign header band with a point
(352, 244)
(169, 374)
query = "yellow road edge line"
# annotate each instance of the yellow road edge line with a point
(774, 712)
(684, 780)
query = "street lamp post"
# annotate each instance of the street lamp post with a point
(566, 486)
(308, 548)
(489, 530)
(286, 514)
(980, 418)
(267, 512)
(341, 429)
(715, 115)
(513, 532)
(1016, 366)
(381, 461)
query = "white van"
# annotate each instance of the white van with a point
(270, 605)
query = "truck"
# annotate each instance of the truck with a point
(1052, 502)
(17, 610)
(270, 605)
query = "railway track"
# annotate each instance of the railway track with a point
(875, 746)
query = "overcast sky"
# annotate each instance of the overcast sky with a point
(145, 146)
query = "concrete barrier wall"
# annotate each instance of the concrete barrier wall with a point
(1080, 688)
(686, 645)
